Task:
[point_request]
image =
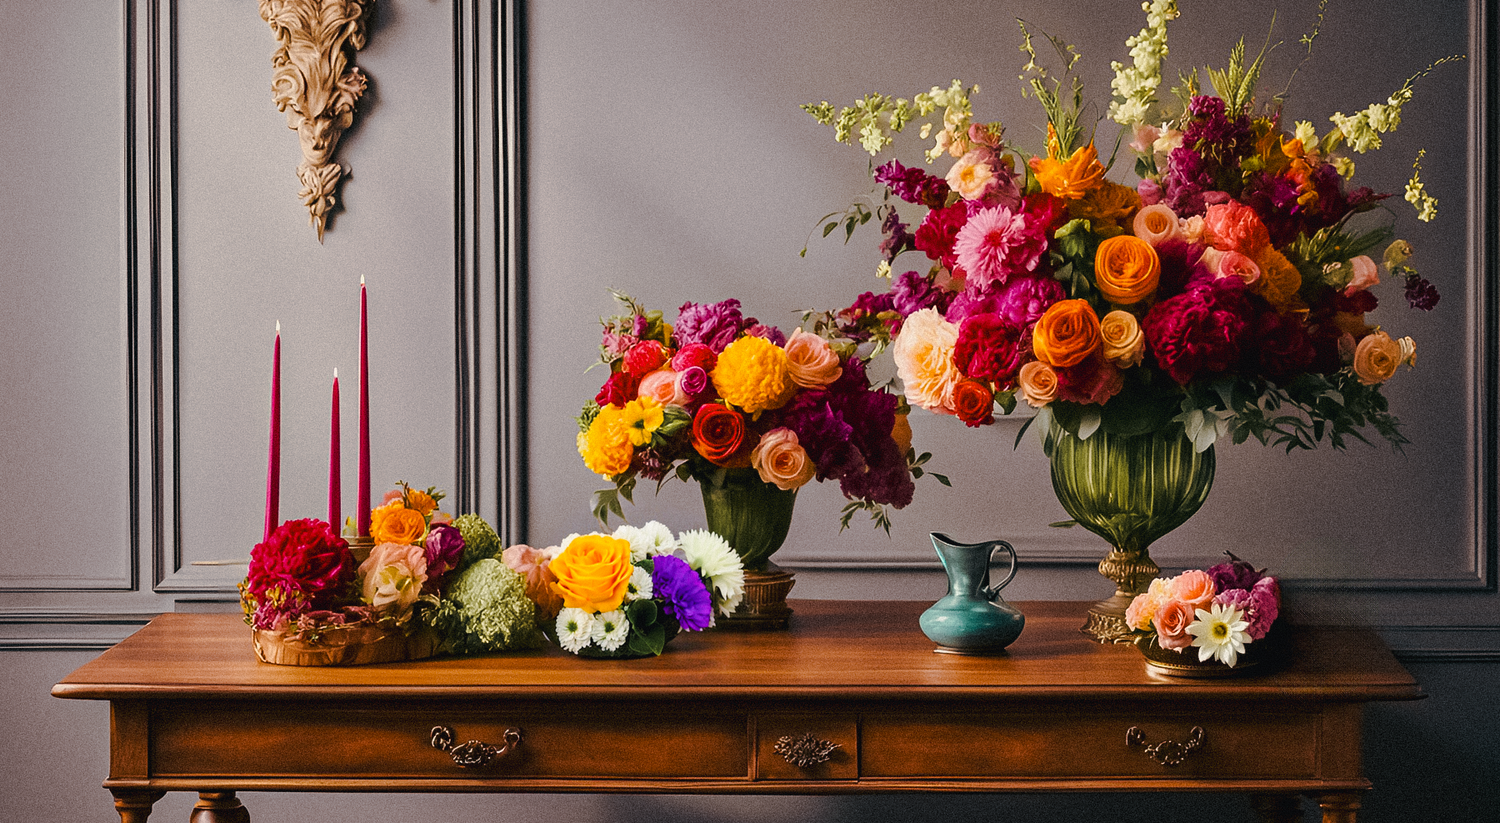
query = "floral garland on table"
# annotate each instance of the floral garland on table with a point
(1220, 611)
(428, 572)
(626, 594)
(1226, 292)
(719, 392)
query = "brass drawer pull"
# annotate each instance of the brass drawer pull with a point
(473, 754)
(1167, 752)
(805, 751)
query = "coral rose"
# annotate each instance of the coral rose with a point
(1236, 227)
(1066, 334)
(391, 578)
(810, 361)
(593, 572)
(781, 461)
(924, 360)
(1126, 269)
(718, 432)
(1038, 383)
(1172, 620)
(752, 374)
(1376, 358)
(973, 403)
(1124, 344)
(1195, 588)
(394, 523)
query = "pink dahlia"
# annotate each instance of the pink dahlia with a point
(996, 243)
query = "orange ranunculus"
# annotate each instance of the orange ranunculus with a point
(1279, 281)
(1067, 333)
(1126, 269)
(1068, 179)
(421, 501)
(592, 572)
(394, 523)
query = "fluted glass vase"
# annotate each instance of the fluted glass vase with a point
(1129, 490)
(754, 517)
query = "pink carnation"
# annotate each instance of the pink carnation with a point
(1261, 604)
(939, 228)
(991, 348)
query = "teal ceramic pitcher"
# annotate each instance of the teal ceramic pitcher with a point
(972, 618)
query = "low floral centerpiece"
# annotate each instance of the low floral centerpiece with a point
(752, 414)
(1228, 291)
(1206, 622)
(431, 584)
(628, 593)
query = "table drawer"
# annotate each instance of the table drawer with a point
(1091, 742)
(806, 747)
(599, 740)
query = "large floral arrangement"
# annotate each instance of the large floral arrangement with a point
(626, 594)
(1215, 613)
(426, 573)
(718, 392)
(1228, 290)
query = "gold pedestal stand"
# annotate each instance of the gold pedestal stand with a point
(1131, 573)
(764, 606)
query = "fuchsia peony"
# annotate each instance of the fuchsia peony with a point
(303, 566)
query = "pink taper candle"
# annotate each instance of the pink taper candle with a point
(363, 514)
(335, 512)
(273, 461)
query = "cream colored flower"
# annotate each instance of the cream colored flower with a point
(1156, 224)
(924, 360)
(781, 461)
(1124, 344)
(1038, 383)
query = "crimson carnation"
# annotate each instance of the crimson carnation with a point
(304, 565)
(939, 228)
(1284, 348)
(619, 389)
(1200, 331)
(991, 348)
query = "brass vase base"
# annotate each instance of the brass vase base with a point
(764, 607)
(361, 547)
(1106, 620)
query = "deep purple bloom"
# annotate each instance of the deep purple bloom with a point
(715, 325)
(1420, 293)
(1235, 574)
(898, 237)
(912, 292)
(443, 547)
(912, 184)
(682, 592)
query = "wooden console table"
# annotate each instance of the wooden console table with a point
(851, 699)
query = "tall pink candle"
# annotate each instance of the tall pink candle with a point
(273, 461)
(334, 491)
(364, 416)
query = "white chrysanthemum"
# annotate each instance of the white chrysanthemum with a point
(575, 628)
(640, 586)
(712, 557)
(646, 541)
(1220, 633)
(610, 629)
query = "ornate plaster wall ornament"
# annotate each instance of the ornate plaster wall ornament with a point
(317, 85)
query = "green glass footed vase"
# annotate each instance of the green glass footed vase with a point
(1129, 490)
(752, 515)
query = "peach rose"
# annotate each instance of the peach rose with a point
(593, 572)
(1067, 333)
(1126, 269)
(1194, 588)
(811, 361)
(781, 460)
(1038, 383)
(1156, 224)
(394, 523)
(1376, 358)
(1142, 610)
(1232, 264)
(661, 386)
(973, 175)
(1124, 344)
(391, 578)
(532, 564)
(924, 360)
(1365, 275)
(1172, 619)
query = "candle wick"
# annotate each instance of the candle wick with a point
(335, 372)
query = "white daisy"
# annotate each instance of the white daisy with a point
(610, 630)
(639, 587)
(711, 556)
(646, 541)
(1220, 633)
(575, 628)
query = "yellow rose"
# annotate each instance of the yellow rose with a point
(1066, 334)
(1126, 269)
(1376, 358)
(1124, 344)
(394, 523)
(1038, 383)
(592, 573)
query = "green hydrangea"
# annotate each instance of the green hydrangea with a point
(486, 610)
(480, 540)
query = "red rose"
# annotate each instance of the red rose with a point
(619, 389)
(694, 354)
(718, 432)
(974, 403)
(645, 356)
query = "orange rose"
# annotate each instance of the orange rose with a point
(592, 572)
(1376, 358)
(421, 501)
(1067, 333)
(1126, 269)
(394, 523)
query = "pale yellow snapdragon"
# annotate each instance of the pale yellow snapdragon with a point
(1135, 85)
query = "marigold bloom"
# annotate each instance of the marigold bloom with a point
(1110, 208)
(606, 448)
(1067, 333)
(752, 374)
(1068, 179)
(394, 523)
(1126, 269)
(1279, 281)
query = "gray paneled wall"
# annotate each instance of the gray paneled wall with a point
(151, 237)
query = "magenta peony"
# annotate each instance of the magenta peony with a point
(1200, 331)
(443, 547)
(303, 566)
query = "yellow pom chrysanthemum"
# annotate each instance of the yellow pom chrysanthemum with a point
(606, 448)
(752, 375)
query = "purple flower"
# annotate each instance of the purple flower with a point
(1025, 299)
(912, 292)
(912, 184)
(1420, 293)
(715, 325)
(755, 328)
(443, 547)
(898, 237)
(1260, 604)
(682, 592)
(1236, 574)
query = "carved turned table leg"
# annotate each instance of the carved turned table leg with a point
(1277, 808)
(219, 807)
(134, 805)
(1339, 808)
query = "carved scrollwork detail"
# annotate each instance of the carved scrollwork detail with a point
(317, 86)
(805, 751)
(1167, 752)
(473, 754)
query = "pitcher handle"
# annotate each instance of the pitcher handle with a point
(994, 591)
